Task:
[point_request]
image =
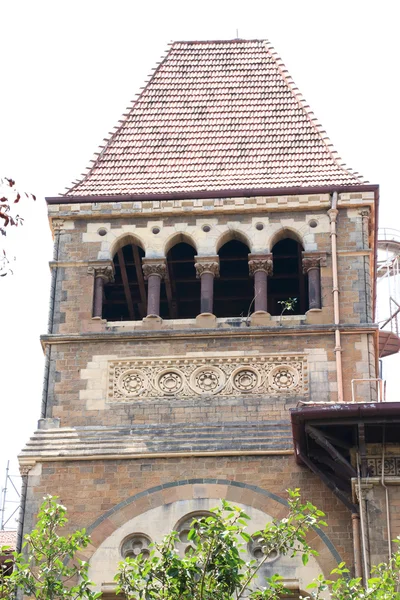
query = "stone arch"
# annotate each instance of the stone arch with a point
(178, 238)
(234, 491)
(123, 240)
(284, 233)
(125, 297)
(233, 234)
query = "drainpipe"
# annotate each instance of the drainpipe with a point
(333, 213)
(355, 521)
(362, 522)
(389, 532)
(21, 518)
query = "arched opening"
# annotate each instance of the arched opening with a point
(288, 280)
(125, 298)
(234, 289)
(180, 292)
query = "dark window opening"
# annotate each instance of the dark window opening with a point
(180, 291)
(125, 299)
(234, 289)
(288, 280)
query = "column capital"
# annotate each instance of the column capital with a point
(206, 264)
(103, 269)
(24, 470)
(261, 262)
(57, 224)
(154, 266)
(313, 260)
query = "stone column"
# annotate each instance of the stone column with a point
(312, 267)
(102, 274)
(207, 268)
(154, 271)
(260, 266)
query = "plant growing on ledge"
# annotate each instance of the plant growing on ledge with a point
(287, 305)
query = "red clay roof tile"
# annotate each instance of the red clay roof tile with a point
(216, 116)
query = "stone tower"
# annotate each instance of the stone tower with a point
(213, 278)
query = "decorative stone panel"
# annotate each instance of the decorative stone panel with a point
(392, 466)
(216, 375)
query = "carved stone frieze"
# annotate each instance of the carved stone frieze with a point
(154, 268)
(216, 375)
(391, 467)
(260, 263)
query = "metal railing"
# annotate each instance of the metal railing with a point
(387, 234)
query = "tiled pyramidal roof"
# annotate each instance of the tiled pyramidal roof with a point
(216, 116)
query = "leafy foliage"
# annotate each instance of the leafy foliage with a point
(9, 216)
(215, 569)
(51, 570)
(383, 585)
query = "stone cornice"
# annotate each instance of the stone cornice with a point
(130, 208)
(297, 330)
(155, 441)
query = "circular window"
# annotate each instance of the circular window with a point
(260, 226)
(155, 230)
(137, 544)
(313, 223)
(183, 544)
(257, 549)
(102, 231)
(206, 228)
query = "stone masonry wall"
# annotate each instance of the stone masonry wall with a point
(79, 385)
(90, 488)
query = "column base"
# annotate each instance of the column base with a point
(260, 318)
(152, 322)
(318, 316)
(206, 321)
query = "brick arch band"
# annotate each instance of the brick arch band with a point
(188, 489)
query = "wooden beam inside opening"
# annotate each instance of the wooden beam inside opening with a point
(127, 291)
(170, 289)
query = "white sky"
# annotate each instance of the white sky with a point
(70, 68)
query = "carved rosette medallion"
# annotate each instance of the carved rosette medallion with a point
(245, 379)
(158, 269)
(207, 267)
(170, 382)
(221, 375)
(207, 380)
(133, 382)
(283, 378)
